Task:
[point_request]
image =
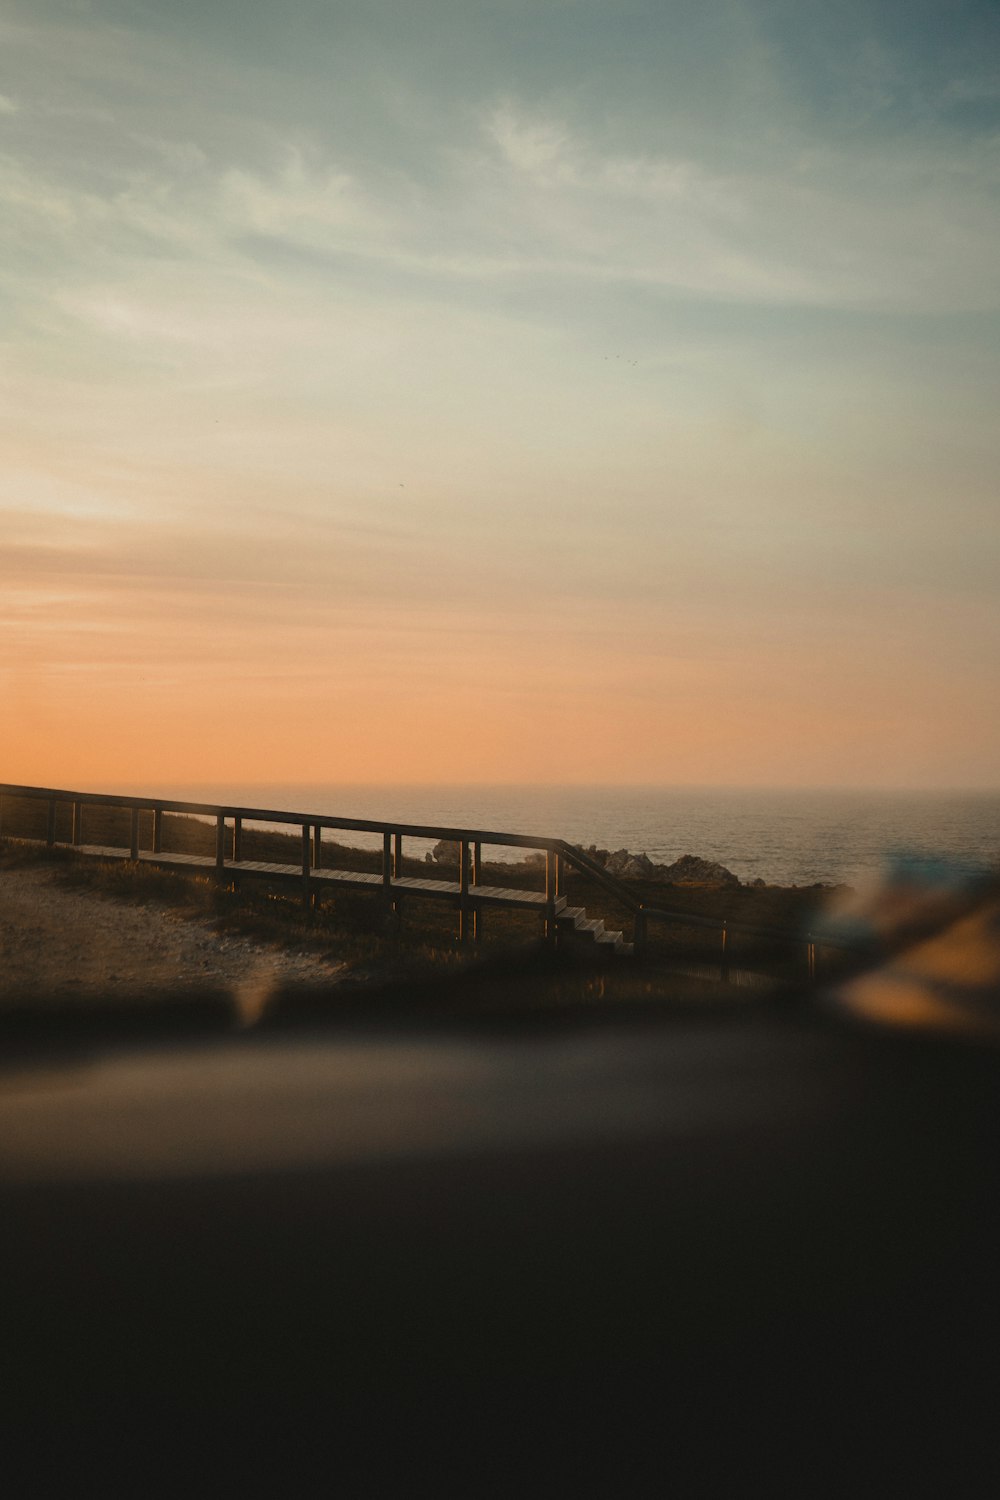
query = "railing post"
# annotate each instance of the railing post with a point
(724, 960)
(237, 837)
(463, 891)
(157, 830)
(811, 961)
(306, 861)
(220, 841)
(387, 868)
(551, 882)
(397, 856)
(133, 839)
(50, 824)
(639, 934)
(317, 846)
(77, 834)
(475, 873)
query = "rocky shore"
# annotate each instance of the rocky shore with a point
(690, 869)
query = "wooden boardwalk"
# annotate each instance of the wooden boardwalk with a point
(468, 894)
(447, 890)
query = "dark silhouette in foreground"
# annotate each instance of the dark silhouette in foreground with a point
(743, 1249)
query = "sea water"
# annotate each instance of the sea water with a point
(788, 837)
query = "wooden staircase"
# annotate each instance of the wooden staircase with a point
(572, 922)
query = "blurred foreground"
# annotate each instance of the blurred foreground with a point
(603, 1249)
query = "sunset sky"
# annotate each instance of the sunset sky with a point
(527, 390)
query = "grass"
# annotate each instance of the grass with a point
(351, 927)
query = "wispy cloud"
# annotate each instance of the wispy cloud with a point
(381, 337)
(899, 227)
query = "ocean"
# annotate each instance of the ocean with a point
(785, 837)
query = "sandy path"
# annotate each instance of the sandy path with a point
(79, 942)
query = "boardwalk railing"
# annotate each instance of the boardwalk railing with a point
(469, 893)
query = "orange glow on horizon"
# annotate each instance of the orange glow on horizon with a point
(447, 710)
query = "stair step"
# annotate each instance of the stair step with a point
(574, 919)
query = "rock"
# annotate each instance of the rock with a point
(688, 870)
(691, 870)
(630, 866)
(599, 856)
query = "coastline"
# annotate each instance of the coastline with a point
(80, 928)
(797, 837)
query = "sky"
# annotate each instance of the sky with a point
(524, 391)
